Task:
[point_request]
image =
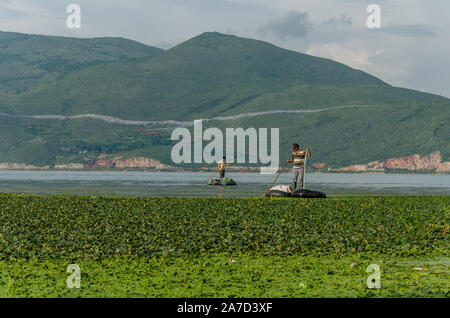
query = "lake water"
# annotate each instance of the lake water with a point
(194, 184)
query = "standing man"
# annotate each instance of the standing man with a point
(221, 166)
(298, 158)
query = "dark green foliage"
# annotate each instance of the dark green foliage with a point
(85, 227)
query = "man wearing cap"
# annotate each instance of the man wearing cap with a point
(298, 158)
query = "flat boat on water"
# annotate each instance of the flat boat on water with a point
(285, 191)
(222, 182)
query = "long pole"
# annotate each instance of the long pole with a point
(279, 173)
(213, 175)
(304, 171)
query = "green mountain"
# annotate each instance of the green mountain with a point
(31, 62)
(208, 75)
(211, 75)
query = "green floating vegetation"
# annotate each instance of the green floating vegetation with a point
(74, 228)
(214, 276)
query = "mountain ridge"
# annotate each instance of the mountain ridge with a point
(230, 76)
(212, 75)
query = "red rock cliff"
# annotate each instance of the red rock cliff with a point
(431, 162)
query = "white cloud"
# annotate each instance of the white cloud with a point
(354, 57)
(374, 62)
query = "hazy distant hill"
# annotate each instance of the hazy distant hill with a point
(28, 62)
(210, 75)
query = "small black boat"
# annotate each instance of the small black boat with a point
(301, 193)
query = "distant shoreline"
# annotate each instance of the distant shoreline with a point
(212, 170)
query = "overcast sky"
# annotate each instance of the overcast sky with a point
(411, 49)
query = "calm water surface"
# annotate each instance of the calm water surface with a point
(194, 184)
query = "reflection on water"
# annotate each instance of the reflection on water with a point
(194, 184)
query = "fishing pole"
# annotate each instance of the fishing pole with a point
(279, 173)
(304, 168)
(304, 172)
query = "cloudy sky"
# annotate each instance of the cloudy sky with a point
(411, 49)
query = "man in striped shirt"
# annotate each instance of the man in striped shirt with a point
(298, 158)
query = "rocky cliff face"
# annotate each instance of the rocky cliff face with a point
(431, 162)
(444, 167)
(374, 166)
(114, 162)
(415, 162)
(20, 166)
(318, 165)
(70, 166)
(119, 163)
